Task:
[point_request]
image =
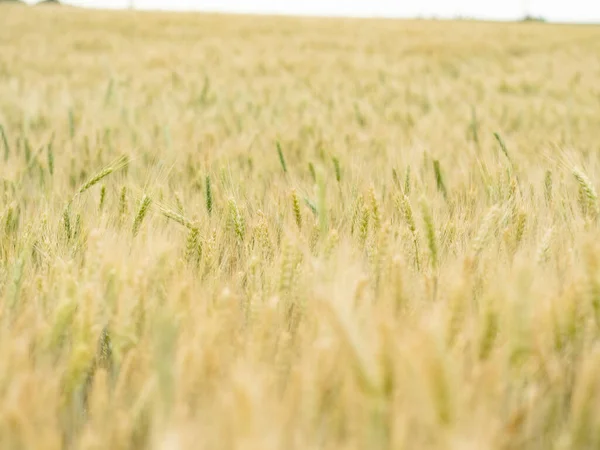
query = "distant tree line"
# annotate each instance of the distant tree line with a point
(531, 18)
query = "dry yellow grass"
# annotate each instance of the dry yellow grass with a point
(394, 277)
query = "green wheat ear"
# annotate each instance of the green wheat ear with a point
(322, 204)
(311, 206)
(10, 220)
(312, 171)
(407, 181)
(51, 156)
(104, 355)
(407, 212)
(548, 186)
(375, 209)
(474, 126)
(363, 227)
(502, 146)
(123, 203)
(117, 165)
(109, 91)
(71, 123)
(102, 197)
(337, 168)
(5, 142)
(296, 209)
(193, 247)
(281, 157)
(209, 197)
(439, 179)
(179, 204)
(102, 360)
(505, 151)
(139, 218)
(77, 229)
(395, 177)
(236, 220)
(27, 151)
(543, 252)
(430, 233)
(67, 223)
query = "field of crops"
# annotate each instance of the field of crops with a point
(277, 233)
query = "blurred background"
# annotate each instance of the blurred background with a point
(587, 11)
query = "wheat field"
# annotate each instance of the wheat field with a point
(223, 232)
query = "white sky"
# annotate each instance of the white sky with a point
(555, 10)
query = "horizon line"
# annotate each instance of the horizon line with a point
(523, 18)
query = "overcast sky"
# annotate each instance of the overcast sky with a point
(556, 10)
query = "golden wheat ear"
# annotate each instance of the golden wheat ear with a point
(588, 197)
(175, 216)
